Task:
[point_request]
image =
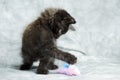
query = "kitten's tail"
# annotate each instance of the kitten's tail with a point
(72, 50)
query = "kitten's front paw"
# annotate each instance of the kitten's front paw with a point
(52, 67)
(42, 71)
(71, 59)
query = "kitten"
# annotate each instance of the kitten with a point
(38, 42)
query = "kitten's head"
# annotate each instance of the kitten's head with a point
(60, 22)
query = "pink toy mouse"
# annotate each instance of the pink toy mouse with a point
(70, 70)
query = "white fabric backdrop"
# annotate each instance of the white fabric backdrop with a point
(97, 34)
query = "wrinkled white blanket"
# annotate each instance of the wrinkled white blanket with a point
(97, 34)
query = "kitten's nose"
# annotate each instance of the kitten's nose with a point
(73, 21)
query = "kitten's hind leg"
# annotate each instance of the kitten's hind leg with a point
(27, 63)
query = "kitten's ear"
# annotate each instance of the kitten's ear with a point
(72, 28)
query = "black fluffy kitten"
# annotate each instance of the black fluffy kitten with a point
(38, 42)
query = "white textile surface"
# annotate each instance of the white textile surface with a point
(97, 34)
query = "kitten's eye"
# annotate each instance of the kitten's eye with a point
(65, 18)
(60, 31)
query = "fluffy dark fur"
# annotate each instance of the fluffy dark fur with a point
(39, 38)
